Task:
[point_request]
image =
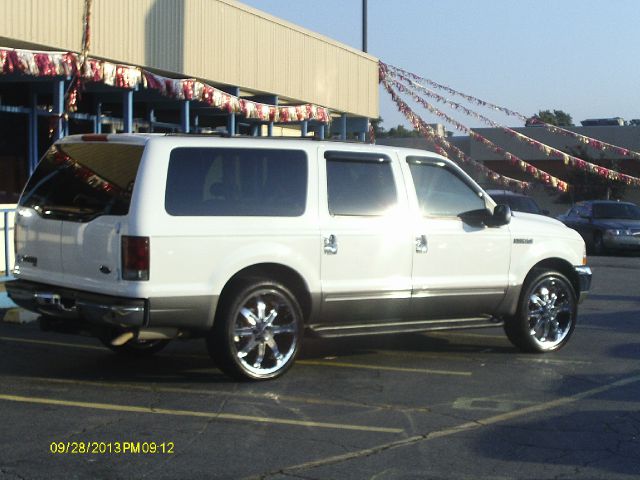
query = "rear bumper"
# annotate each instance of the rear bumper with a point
(584, 281)
(79, 305)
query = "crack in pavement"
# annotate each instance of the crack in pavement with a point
(465, 427)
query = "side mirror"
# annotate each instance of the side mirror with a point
(501, 216)
(477, 218)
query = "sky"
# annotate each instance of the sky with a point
(579, 56)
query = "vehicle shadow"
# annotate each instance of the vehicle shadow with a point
(45, 355)
(458, 342)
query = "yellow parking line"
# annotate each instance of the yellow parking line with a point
(53, 344)
(276, 397)
(319, 363)
(465, 427)
(191, 413)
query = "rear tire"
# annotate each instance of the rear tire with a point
(546, 315)
(257, 332)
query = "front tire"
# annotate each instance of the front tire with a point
(546, 315)
(257, 332)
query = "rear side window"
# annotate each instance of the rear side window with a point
(236, 182)
(361, 185)
(81, 181)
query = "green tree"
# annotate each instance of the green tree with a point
(401, 132)
(557, 117)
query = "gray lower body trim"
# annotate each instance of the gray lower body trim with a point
(195, 312)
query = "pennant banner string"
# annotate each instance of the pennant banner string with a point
(442, 145)
(568, 160)
(537, 173)
(585, 140)
(69, 64)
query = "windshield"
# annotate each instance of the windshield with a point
(626, 211)
(80, 181)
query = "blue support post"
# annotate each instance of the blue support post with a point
(184, 116)
(152, 119)
(127, 111)
(320, 131)
(97, 121)
(231, 124)
(304, 128)
(270, 129)
(343, 127)
(58, 109)
(33, 133)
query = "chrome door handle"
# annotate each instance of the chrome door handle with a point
(331, 245)
(422, 245)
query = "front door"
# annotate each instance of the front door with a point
(459, 270)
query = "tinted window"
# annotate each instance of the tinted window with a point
(441, 193)
(360, 186)
(236, 182)
(80, 181)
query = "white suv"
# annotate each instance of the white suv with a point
(248, 242)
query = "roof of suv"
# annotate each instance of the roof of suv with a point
(299, 142)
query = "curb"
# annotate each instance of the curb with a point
(17, 315)
(11, 313)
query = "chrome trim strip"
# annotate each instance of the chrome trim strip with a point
(355, 296)
(449, 292)
(396, 324)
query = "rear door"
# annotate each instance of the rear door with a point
(366, 259)
(75, 202)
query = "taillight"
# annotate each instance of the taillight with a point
(135, 258)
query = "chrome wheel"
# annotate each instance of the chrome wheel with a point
(257, 332)
(550, 312)
(265, 332)
(546, 315)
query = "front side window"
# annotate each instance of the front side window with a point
(441, 192)
(360, 185)
(81, 181)
(236, 182)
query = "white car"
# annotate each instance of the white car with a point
(248, 242)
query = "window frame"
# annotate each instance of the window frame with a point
(347, 156)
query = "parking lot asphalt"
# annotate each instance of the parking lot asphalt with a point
(463, 405)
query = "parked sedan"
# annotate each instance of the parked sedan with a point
(605, 225)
